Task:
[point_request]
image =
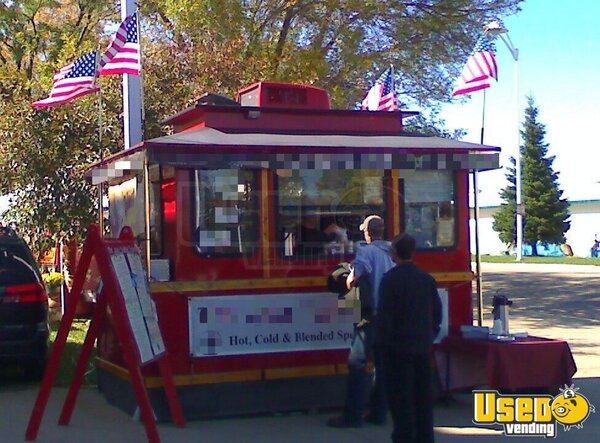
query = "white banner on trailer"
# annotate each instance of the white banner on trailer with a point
(263, 323)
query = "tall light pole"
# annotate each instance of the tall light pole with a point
(497, 28)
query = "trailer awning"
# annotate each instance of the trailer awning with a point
(211, 148)
(213, 137)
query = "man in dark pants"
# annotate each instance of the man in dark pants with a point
(408, 319)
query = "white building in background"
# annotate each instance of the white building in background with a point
(585, 224)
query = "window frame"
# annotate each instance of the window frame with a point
(405, 206)
(251, 251)
(279, 245)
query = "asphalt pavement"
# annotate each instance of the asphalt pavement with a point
(549, 301)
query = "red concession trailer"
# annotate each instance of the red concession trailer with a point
(242, 302)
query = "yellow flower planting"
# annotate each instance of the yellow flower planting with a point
(53, 280)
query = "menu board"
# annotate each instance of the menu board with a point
(140, 307)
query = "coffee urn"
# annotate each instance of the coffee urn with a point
(500, 305)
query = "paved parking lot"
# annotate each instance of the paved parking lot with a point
(557, 302)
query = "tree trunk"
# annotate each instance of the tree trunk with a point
(534, 251)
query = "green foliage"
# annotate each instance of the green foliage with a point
(44, 153)
(585, 261)
(340, 45)
(196, 46)
(44, 157)
(71, 354)
(546, 212)
(505, 219)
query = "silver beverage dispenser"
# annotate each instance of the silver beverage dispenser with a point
(500, 305)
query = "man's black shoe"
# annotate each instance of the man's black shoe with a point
(342, 422)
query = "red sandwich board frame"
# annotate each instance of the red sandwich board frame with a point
(114, 296)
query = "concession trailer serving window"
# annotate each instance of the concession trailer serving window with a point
(326, 197)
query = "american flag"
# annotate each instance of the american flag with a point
(382, 96)
(123, 54)
(74, 80)
(479, 69)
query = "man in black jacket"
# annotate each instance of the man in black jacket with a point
(408, 319)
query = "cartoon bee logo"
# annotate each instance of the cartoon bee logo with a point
(570, 408)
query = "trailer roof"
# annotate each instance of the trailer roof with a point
(211, 148)
(213, 137)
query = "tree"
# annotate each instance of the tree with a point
(43, 161)
(43, 153)
(546, 212)
(340, 45)
(196, 46)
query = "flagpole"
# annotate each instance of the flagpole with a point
(476, 74)
(101, 155)
(100, 187)
(478, 282)
(133, 109)
(146, 177)
(143, 110)
(497, 28)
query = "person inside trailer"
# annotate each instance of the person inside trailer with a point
(315, 233)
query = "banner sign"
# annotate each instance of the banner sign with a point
(261, 323)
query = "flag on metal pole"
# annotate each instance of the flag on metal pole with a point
(382, 96)
(123, 54)
(476, 75)
(480, 68)
(73, 81)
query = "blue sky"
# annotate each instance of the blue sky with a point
(559, 64)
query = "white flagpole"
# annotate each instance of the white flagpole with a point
(476, 222)
(132, 96)
(100, 153)
(393, 85)
(146, 165)
(100, 186)
(133, 109)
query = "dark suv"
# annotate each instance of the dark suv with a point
(23, 306)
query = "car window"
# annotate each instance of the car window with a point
(14, 268)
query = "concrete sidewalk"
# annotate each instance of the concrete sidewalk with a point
(95, 421)
(554, 301)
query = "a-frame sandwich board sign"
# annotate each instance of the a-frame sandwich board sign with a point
(125, 291)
